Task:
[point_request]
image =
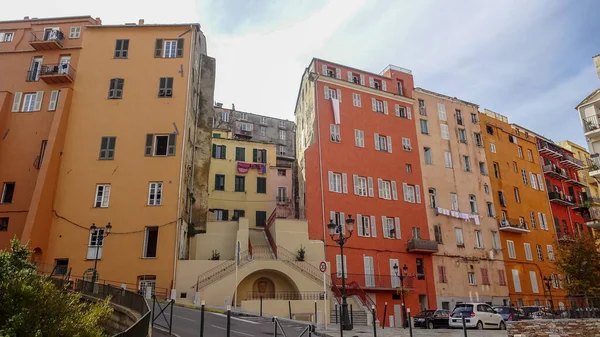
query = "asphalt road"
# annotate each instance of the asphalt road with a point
(186, 323)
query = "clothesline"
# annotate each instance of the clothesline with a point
(459, 215)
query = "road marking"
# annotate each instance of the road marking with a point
(241, 333)
(237, 319)
(187, 319)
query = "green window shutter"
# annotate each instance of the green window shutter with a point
(223, 152)
(264, 157)
(214, 151)
(254, 155)
(180, 47)
(225, 214)
(158, 48)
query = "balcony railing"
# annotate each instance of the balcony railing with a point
(513, 225)
(574, 179)
(561, 199)
(47, 39)
(591, 123)
(286, 295)
(549, 149)
(591, 216)
(243, 129)
(57, 73)
(572, 162)
(378, 281)
(555, 171)
(422, 246)
(594, 164)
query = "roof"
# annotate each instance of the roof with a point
(446, 97)
(251, 113)
(586, 100)
(51, 19)
(363, 71)
(146, 25)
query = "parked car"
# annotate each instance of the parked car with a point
(511, 314)
(536, 311)
(477, 315)
(432, 319)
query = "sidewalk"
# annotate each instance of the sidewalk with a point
(333, 330)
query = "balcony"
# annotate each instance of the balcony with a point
(561, 199)
(554, 171)
(571, 162)
(574, 180)
(422, 246)
(243, 129)
(48, 39)
(591, 215)
(57, 73)
(591, 125)
(594, 166)
(549, 149)
(377, 281)
(513, 226)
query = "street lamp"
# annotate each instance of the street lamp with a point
(548, 284)
(335, 231)
(94, 229)
(402, 275)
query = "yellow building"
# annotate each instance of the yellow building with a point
(579, 152)
(240, 179)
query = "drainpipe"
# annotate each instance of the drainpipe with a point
(317, 117)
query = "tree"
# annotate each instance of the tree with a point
(32, 306)
(579, 261)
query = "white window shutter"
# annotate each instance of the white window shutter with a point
(326, 92)
(374, 104)
(370, 185)
(534, 284)
(331, 187)
(377, 141)
(540, 182)
(338, 266)
(409, 113)
(371, 82)
(355, 184)
(545, 222)
(349, 76)
(418, 193)
(404, 189)
(17, 101)
(344, 183)
(516, 280)
(389, 143)
(343, 223)
(398, 233)
(385, 107)
(361, 232)
(332, 216)
(338, 73)
(373, 226)
(39, 97)
(53, 100)
(345, 266)
(380, 186)
(541, 220)
(383, 86)
(339, 95)
(324, 69)
(397, 110)
(362, 79)
(384, 226)
(394, 191)
(106, 196)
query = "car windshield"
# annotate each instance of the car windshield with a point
(463, 309)
(502, 310)
(425, 313)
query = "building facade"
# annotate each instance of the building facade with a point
(469, 266)
(357, 156)
(522, 210)
(133, 157)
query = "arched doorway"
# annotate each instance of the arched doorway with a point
(268, 283)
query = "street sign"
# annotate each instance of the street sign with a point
(323, 266)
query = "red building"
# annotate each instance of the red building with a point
(358, 155)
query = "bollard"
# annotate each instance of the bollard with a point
(464, 325)
(290, 308)
(202, 304)
(384, 313)
(315, 313)
(228, 321)
(261, 306)
(336, 312)
(374, 321)
(409, 322)
(351, 315)
(341, 325)
(171, 317)
(275, 326)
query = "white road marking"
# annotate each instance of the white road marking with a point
(187, 319)
(237, 319)
(241, 333)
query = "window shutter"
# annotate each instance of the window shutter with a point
(541, 221)
(383, 86)
(326, 92)
(397, 110)
(344, 183)
(374, 104)
(361, 231)
(354, 183)
(214, 150)
(398, 233)
(345, 266)
(53, 100)
(540, 182)
(331, 187)
(545, 222)
(17, 101)
(338, 73)
(385, 107)
(418, 193)
(373, 226)
(370, 186)
(516, 280)
(371, 82)
(39, 97)
(389, 144)
(362, 79)
(339, 95)
(380, 186)
(149, 140)
(534, 284)
(349, 76)
(180, 43)
(404, 190)
(172, 142)
(255, 156)
(343, 223)
(324, 69)
(338, 266)
(158, 48)
(394, 191)
(409, 113)
(106, 195)
(383, 226)
(377, 141)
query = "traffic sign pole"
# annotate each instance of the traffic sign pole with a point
(323, 269)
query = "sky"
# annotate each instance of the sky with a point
(529, 60)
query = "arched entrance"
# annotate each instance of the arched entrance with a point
(268, 283)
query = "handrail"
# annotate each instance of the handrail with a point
(214, 274)
(302, 266)
(268, 225)
(285, 295)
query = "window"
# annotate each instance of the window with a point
(443, 277)
(282, 194)
(403, 112)
(416, 233)
(496, 170)
(261, 185)
(155, 194)
(261, 218)
(540, 254)
(462, 136)
(472, 280)
(107, 148)
(486, 188)
(146, 283)
(441, 111)
(512, 139)
(170, 49)
(29, 102)
(263, 131)
(533, 180)
(517, 197)
(511, 249)
(427, 155)
(259, 156)
(6, 36)
(532, 217)
(219, 151)
(448, 159)
(520, 151)
(95, 244)
(424, 126)
(7, 193)
(360, 185)
(501, 277)
(411, 193)
(550, 250)
(283, 133)
(383, 143)
(489, 129)
(501, 198)
(334, 130)
(437, 230)
(454, 201)
(490, 209)
(165, 87)
(115, 89)
(478, 140)
(240, 154)
(389, 232)
(399, 86)
(528, 255)
(467, 164)
(53, 100)
(445, 133)
(335, 182)
(482, 168)
(530, 155)
(364, 225)
(385, 189)
(478, 239)
(243, 116)
(496, 240)
(282, 150)
(459, 119)
(150, 242)
(75, 32)
(359, 138)
(263, 120)
(408, 168)
(378, 106)
(237, 214)
(282, 124)
(460, 242)
(422, 110)
(356, 100)
(485, 278)
(432, 198)
(240, 184)
(102, 195)
(225, 116)
(493, 147)
(219, 182)
(515, 167)
(474, 118)
(524, 175)
(420, 269)
(473, 204)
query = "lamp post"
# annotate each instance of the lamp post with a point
(548, 284)
(335, 231)
(94, 230)
(402, 275)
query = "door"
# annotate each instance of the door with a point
(36, 67)
(64, 64)
(282, 195)
(51, 33)
(398, 315)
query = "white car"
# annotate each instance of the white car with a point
(477, 315)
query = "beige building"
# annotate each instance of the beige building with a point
(460, 208)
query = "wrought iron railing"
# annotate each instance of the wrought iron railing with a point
(514, 223)
(303, 267)
(47, 35)
(552, 168)
(58, 69)
(568, 157)
(417, 244)
(226, 268)
(286, 295)
(561, 196)
(542, 144)
(379, 281)
(591, 123)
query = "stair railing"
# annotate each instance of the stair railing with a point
(217, 273)
(303, 267)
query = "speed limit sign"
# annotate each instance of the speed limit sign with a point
(322, 266)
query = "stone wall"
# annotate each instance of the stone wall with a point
(554, 328)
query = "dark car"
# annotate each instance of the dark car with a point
(510, 313)
(432, 319)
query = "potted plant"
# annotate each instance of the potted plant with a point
(215, 255)
(300, 254)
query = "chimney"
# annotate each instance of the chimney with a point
(597, 63)
(140, 21)
(232, 106)
(219, 105)
(98, 21)
(26, 18)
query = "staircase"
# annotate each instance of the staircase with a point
(359, 314)
(261, 250)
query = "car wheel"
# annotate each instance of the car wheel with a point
(430, 325)
(479, 325)
(502, 325)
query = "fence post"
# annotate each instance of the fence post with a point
(384, 313)
(341, 323)
(336, 313)
(202, 304)
(315, 313)
(171, 317)
(409, 322)
(374, 321)
(261, 306)
(351, 316)
(464, 325)
(153, 306)
(228, 321)
(290, 308)
(275, 326)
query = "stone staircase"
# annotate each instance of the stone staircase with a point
(261, 250)
(359, 313)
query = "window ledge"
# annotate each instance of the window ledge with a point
(148, 258)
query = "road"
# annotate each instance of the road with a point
(186, 323)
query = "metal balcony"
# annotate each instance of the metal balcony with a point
(57, 73)
(594, 166)
(243, 129)
(47, 40)
(571, 162)
(554, 171)
(549, 149)
(561, 199)
(591, 216)
(591, 124)
(574, 179)
(422, 246)
(513, 226)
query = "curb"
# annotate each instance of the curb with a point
(165, 331)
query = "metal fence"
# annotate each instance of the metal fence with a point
(558, 307)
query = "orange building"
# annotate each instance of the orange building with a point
(38, 62)
(358, 155)
(527, 235)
